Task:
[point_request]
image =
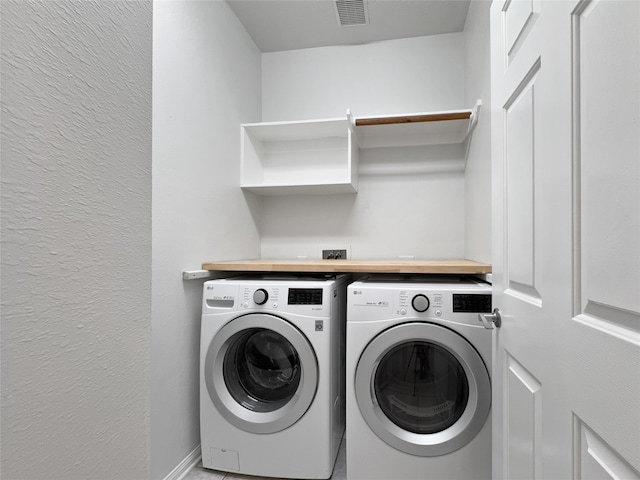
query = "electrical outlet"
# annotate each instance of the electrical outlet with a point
(334, 254)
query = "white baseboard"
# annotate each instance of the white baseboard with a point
(185, 465)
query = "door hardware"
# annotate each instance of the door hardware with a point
(488, 318)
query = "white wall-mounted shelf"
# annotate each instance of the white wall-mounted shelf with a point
(315, 156)
(321, 156)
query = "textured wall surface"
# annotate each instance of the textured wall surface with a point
(76, 239)
(206, 82)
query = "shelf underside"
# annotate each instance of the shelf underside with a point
(309, 189)
(378, 133)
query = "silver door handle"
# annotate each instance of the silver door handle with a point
(488, 318)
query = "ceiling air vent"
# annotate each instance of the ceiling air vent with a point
(352, 12)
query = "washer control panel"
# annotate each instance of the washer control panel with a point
(305, 298)
(260, 296)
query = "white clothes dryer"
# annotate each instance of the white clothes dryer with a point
(418, 379)
(272, 390)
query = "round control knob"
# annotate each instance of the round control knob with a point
(420, 303)
(260, 296)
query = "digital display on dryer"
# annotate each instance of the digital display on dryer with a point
(471, 303)
(305, 296)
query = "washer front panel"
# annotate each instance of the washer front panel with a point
(261, 373)
(435, 404)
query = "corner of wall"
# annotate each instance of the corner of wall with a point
(206, 81)
(478, 170)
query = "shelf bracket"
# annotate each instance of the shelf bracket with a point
(474, 117)
(351, 121)
(196, 274)
(474, 120)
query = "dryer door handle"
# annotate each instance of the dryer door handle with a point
(488, 319)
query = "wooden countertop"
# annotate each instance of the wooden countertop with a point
(353, 266)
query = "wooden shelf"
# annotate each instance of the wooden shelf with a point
(416, 118)
(352, 266)
(417, 129)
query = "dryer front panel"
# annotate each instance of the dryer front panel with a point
(423, 389)
(261, 373)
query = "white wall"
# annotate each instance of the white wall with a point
(76, 239)
(411, 200)
(206, 82)
(396, 76)
(478, 172)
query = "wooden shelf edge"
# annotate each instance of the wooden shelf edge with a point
(352, 266)
(429, 117)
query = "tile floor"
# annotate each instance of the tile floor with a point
(200, 473)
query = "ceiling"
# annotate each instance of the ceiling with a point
(277, 25)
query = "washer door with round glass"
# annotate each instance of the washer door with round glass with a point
(423, 389)
(261, 373)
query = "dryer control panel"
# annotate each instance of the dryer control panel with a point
(369, 301)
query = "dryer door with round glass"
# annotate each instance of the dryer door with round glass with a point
(423, 388)
(261, 373)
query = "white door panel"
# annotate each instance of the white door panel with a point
(594, 459)
(517, 17)
(606, 92)
(566, 167)
(608, 135)
(520, 245)
(523, 412)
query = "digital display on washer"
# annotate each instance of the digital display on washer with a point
(305, 296)
(471, 302)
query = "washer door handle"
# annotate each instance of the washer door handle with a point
(488, 318)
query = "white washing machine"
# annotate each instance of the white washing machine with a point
(272, 375)
(418, 379)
